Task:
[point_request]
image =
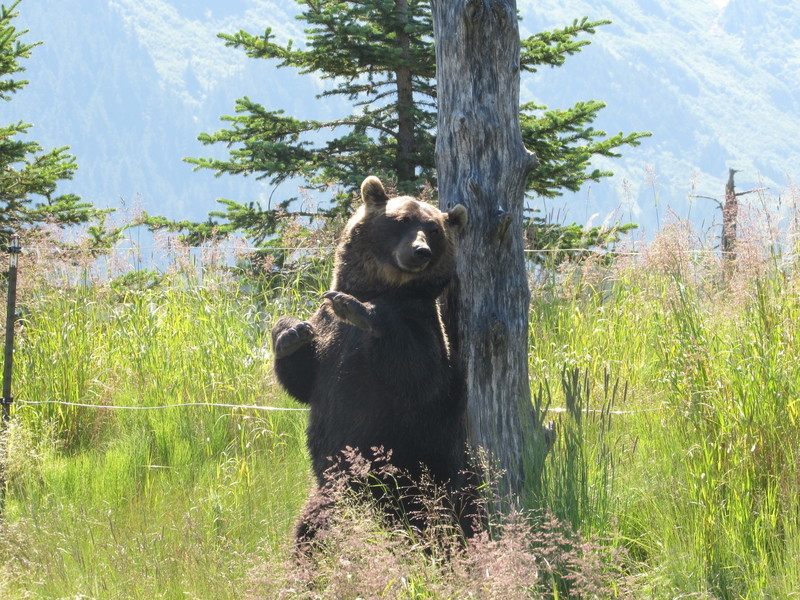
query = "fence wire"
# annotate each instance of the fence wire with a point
(142, 250)
(278, 408)
(164, 406)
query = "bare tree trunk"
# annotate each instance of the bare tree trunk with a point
(405, 100)
(730, 216)
(482, 163)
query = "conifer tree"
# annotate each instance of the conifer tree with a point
(27, 171)
(380, 55)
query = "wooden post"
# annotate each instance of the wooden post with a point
(11, 317)
(8, 364)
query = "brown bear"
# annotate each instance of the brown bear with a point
(373, 361)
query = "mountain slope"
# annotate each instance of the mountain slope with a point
(129, 84)
(714, 92)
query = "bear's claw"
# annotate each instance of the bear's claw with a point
(350, 309)
(292, 339)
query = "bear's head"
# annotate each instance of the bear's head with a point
(391, 243)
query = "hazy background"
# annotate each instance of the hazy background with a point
(129, 85)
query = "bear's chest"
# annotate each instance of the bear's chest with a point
(404, 369)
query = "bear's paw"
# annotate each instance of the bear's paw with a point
(291, 339)
(351, 310)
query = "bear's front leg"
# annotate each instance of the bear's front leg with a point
(295, 361)
(351, 310)
(289, 335)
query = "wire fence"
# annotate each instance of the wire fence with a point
(258, 407)
(42, 251)
(165, 256)
(65, 267)
(165, 406)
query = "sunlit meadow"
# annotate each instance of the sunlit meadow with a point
(672, 375)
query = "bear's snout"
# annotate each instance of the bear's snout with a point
(416, 256)
(422, 252)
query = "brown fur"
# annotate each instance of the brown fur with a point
(373, 361)
(361, 266)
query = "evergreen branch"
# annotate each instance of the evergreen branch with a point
(357, 123)
(551, 48)
(12, 50)
(26, 170)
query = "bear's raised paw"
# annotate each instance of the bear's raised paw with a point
(289, 340)
(350, 310)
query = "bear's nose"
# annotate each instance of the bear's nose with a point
(422, 252)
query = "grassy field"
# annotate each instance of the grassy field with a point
(675, 472)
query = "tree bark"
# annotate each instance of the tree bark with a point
(405, 99)
(730, 217)
(482, 163)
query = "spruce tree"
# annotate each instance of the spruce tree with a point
(27, 171)
(379, 54)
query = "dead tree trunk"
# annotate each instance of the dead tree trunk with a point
(730, 216)
(482, 163)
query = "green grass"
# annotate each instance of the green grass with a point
(146, 503)
(697, 487)
(705, 489)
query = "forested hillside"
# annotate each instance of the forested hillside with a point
(130, 85)
(716, 86)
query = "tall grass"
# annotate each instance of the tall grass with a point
(707, 486)
(104, 502)
(674, 471)
(577, 481)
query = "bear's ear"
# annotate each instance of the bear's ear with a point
(457, 217)
(374, 195)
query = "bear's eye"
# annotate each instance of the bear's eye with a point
(435, 231)
(405, 220)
